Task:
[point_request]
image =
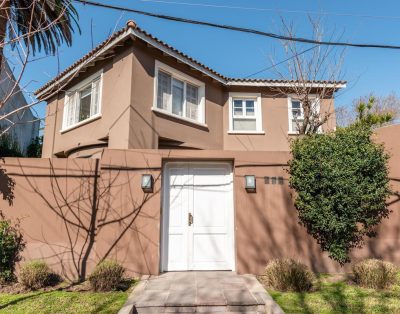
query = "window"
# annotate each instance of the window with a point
(245, 113)
(296, 113)
(178, 94)
(83, 101)
(296, 116)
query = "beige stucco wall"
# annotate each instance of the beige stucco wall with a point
(53, 195)
(128, 121)
(115, 103)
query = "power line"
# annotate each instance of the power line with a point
(273, 10)
(238, 29)
(283, 61)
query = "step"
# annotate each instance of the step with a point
(218, 309)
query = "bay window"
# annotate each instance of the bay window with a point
(82, 102)
(178, 94)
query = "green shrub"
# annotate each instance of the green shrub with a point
(37, 274)
(106, 276)
(288, 275)
(341, 183)
(11, 246)
(374, 273)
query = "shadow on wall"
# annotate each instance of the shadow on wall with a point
(270, 215)
(6, 186)
(77, 214)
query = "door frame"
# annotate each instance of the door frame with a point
(165, 211)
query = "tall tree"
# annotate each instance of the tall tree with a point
(304, 66)
(39, 24)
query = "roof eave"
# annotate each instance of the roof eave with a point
(334, 85)
(48, 91)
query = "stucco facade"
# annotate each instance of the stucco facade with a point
(53, 198)
(128, 119)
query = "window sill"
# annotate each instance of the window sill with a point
(91, 119)
(247, 132)
(293, 133)
(166, 113)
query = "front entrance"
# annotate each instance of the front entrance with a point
(197, 217)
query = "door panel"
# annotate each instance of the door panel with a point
(177, 218)
(203, 190)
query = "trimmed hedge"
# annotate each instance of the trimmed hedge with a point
(37, 274)
(107, 276)
(288, 275)
(374, 273)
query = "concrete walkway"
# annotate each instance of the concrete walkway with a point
(200, 292)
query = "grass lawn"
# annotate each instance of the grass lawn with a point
(51, 302)
(339, 297)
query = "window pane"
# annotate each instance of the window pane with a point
(84, 103)
(164, 90)
(296, 124)
(244, 124)
(296, 104)
(177, 97)
(250, 108)
(237, 107)
(95, 101)
(296, 113)
(192, 102)
(70, 109)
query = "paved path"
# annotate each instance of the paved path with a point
(200, 292)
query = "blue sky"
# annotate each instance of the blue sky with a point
(237, 54)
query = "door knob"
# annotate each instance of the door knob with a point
(190, 219)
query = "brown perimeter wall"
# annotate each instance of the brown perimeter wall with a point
(72, 225)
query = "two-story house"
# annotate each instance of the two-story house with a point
(142, 106)
(135, 91)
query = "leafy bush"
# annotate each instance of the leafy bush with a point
(37, 274)
(288, 275)
(11, 246)
(374, 273)
(341, 183)
(106, 276)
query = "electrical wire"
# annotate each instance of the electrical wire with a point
(238, 29)
(283, 61)
(220, 6)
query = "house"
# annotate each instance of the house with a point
(134, 91)
(186, 169)
(22, 125)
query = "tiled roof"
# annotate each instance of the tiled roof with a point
(132, 25)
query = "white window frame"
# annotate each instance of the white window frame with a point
(74, 91)
(290, 113)
(159, 66)
(257, 112)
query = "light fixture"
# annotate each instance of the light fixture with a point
(250, 183)
(147, 183)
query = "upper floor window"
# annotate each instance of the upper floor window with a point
(296, 118)
(296, 113)
(82, 102)
(178, 94)
(245, 113)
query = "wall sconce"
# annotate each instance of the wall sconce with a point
(147, 183)
(250, 183)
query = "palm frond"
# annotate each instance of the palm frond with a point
(43, 24)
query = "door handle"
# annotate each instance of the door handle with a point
(190, 219)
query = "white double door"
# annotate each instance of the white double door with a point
(198, 217)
